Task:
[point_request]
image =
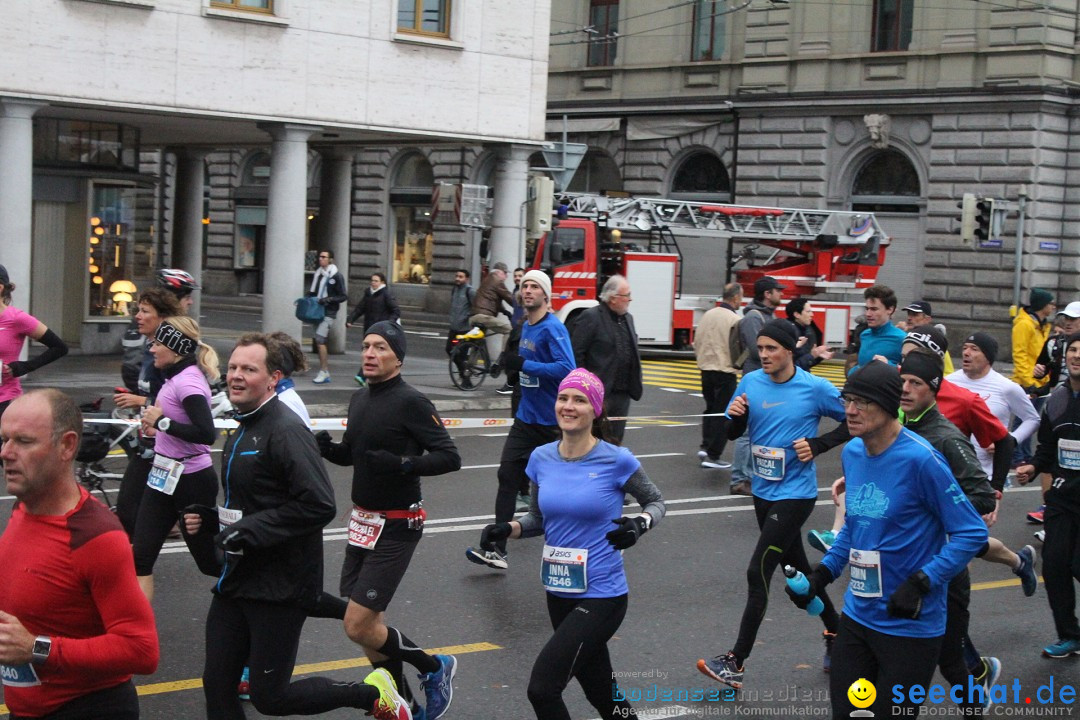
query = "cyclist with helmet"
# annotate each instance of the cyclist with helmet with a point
(181, 283)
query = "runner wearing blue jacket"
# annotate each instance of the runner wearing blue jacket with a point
(778, 404)
(909, 530)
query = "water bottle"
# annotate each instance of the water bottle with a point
(801, 586)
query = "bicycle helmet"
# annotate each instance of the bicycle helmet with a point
(179, 281)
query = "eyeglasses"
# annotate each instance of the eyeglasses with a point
(859, 403)
(625, 295)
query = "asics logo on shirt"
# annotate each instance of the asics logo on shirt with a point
(765, 405)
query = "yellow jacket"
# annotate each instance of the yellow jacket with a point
(1028, 337)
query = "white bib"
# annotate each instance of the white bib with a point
(565, 569)
(865, 568)
(365, 528)
(165, 474)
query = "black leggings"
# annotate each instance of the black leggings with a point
(116, 703)
(132, 485)
(578, 649)
(158, 513)
(953, 664)
(265, 636)
(884, 660)
(781, 524)
(520, 442)
(1061, 566)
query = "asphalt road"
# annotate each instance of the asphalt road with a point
(687, 587)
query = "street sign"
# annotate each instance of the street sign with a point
(1049, 245)
(563, 160)
(993, 243)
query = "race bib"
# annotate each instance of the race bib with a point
(164, 474)
(365, 528)
(227, 516)
(1069, 454)
(525, 380)
(865, 567)
(19, 675)
(768, 462)
(565, 569)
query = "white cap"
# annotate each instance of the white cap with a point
(1072, 310)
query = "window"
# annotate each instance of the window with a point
(892, 25)
(702, 178)
(566, 246)
(429, 17)
(710, 24)
(118, 250)
(410, 206)
(266, 6)
(86, 144)
(604, 26)
(887, 182)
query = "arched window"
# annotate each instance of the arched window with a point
(410, 208)
(701, 177)
(887, 182)
(596, 173)
(256, 169)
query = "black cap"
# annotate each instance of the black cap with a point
(782, 331)
(929, 337)
(879, 383)
(920, 306)
(986, 343)
(764, 284)
(392, 333)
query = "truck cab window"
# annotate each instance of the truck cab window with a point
(565, 246)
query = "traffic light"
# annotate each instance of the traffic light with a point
(984, 219)
(967, 218)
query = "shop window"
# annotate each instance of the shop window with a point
(119, 253)
(597, 173)
(603, 33)
(73, 143)
(264, 6)
(410, 204)
(427, 17)
(710, 26)
(892, 25)
(887, 182)
(701, 177)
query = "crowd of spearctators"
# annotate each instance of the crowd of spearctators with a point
(926, 455)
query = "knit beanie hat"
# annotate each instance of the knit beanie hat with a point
(782, 331)
(392, 333)
(1039, 299)
(540, 278)
(925, 366)
(878, 382)
(986, 343)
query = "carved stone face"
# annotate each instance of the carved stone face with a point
(878, 127)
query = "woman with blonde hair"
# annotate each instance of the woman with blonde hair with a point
(183, 429)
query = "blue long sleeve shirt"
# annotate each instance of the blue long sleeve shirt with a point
(885, 341)
(549, 357)
(905, 513)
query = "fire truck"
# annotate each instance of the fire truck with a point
(824, 253)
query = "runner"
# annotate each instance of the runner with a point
(911, 531)
(578, 484)
(394, 436)
(544, 358)
(785, 488)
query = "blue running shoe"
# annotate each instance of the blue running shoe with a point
(438, 687)
(821, 539)
(989, 679)
(1062, 648)
(1026, 572)
(723, 668)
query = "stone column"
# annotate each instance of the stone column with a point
(187, 245)
(335, 222)
(16, 183)
(286, 220)
(507, 242)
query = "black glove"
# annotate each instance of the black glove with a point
(628, 531)
(207, 515)
(493, 533)
(383, 461)
(231, 539)
(818, 578)
(324, 441)
(906, 600)
(512, 362)
(324, 301)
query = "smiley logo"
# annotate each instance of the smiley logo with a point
(862, 693)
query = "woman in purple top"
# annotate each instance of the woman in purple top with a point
(183, 428)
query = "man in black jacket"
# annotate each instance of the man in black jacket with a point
(328, 285)
(277, 500)
(393, 437)
(606, 344)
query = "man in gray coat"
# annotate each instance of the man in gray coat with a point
(606, 344)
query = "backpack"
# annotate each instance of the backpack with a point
(738, 349)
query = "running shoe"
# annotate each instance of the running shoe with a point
(702, 455)
(990, 677)
(491, 558)
(715, 464)
(438, 687)
(321, 378)
(506, 389)
(243, 690)
(1036, 518)
(821, 539)
(1039, 535)
(829, 638)
(1062, 648)
(741, 488)
(390, 705)
(1026, 571)
(723, 668)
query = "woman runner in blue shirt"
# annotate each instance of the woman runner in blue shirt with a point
(578, 484)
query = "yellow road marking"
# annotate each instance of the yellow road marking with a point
(194, 684)
(995, 584)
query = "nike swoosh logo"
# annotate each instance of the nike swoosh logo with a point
(766, 405)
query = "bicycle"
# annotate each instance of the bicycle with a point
(105, 449)
(469, 361)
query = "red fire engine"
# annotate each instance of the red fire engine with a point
(811, 252)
